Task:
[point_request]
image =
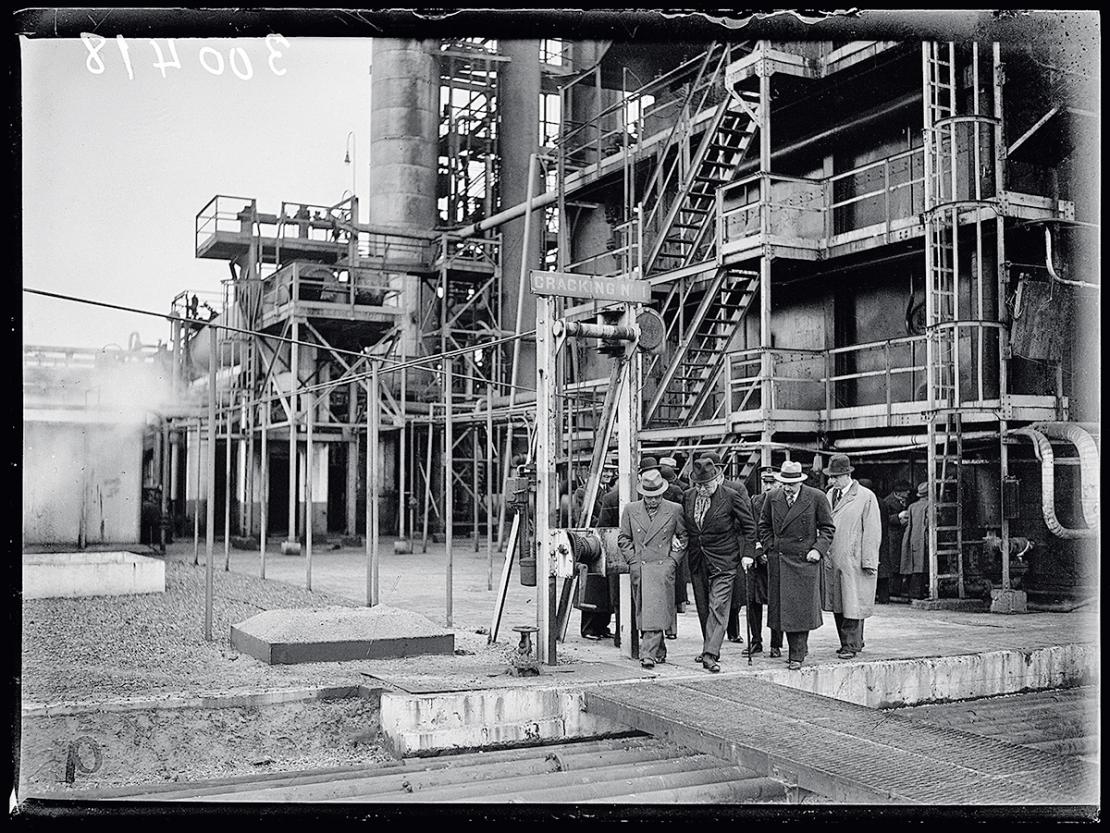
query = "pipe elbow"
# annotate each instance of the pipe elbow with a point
(1048, 487)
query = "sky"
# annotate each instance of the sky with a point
(115, 169)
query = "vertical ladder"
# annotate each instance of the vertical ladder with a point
(945, 450)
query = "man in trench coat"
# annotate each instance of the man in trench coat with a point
(890, 549)
(915, 546)
(722, 531)
(852, 564)
(796, 529)
(651, 539)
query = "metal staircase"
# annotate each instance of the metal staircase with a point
(690, 378)
(684, 234)
(945, 451)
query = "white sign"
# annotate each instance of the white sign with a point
(591, 286)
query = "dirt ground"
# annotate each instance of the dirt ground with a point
(95, 669)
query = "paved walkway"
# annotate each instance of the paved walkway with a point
(417, 582)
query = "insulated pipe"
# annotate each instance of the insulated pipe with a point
(1052, 269)
(1088, 462)
(902, 441)
(1043, 449)
(512, 213)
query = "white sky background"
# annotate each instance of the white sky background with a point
(115, 170)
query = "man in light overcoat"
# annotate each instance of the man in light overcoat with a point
(852, 564)
(651, 539)
(796, 529)
(756, 569)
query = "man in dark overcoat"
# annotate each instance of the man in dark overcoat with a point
(721, 530)
(890, 548)
(914, 565)
(756, 568)
(652, 535)
(796, 529)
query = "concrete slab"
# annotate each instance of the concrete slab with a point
(472, 676)
(72, 574)
(338, 634)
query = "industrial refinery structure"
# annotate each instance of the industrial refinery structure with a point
(884, 248)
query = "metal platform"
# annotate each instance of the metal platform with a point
(843, 751)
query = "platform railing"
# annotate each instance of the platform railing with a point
(886, 361)
(330, 284)
(223, 213)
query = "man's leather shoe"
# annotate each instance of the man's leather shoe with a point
(755, 648)
(776, 653)
(735, 639)
(647, 662)
(843, 654)
(699, 658)
(794, 665)
(670, 635)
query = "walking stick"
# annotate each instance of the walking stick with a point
(748, 609)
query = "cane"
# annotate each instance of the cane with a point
(748, 609)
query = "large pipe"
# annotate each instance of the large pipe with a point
(1043, 449)
(1088, 462)
(902, 441)
(518, 210)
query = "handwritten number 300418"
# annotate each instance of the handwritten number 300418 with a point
(211, 59)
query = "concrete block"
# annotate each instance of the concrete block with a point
(339, 634)
(71, 574)
(290, 548)
(907, 682)
(1008, 601)
(415, 724)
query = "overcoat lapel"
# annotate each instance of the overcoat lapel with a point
(650, 526)
(800, 502)
(845, 499)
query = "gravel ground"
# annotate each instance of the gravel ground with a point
(94, 650)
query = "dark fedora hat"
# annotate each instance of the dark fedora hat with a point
(711, 455)
(704, 471)
(838, 464)
(648, 463)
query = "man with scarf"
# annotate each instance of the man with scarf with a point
(721, 531)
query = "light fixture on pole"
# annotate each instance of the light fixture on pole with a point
(351, 159)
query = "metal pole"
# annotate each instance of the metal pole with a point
(474, 435)
(428, 473)
(227, 492)
(546, 448)
(196, 501)
(264, 489)
(165, 485)
(489, 486)
(210, 505)
(310, 419)
(448, 478)
(294, 383)
(402, 504)
(373, 418)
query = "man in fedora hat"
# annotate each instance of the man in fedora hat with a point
(651, 538)
(755, 568)
(722, 530)
(796, 529)
(852, 565)
(915, 545)
(610, 501)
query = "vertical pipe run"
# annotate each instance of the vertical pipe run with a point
(210, 505)
(765, 266)
(448, 478)
(373, 449)
(428, 473)
(1003, 333)
(165, 508)
(546, 448)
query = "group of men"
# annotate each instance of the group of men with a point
(792, 548)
